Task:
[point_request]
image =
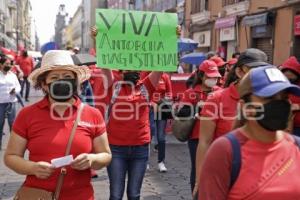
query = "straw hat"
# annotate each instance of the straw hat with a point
(59, 60)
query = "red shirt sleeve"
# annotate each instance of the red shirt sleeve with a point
(20, 126)
(215, 176)
(100, 127)
(211, 106)
(150, 88)
(169, 90)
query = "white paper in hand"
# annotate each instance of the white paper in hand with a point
(62, 161)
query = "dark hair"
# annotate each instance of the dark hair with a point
(236, 54)
(231, 77)
(198, 78)
(41, 79)
(25, 53)
(210, 54)
(3, 59)
(293, 71)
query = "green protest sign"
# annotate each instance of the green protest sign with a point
(136, 40)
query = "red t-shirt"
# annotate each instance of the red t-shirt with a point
(163, 89)
(26, 65)
(221, 107)
(193, 96)
(129, 117)
(268, 171)
(100, 95)
(47, 137)
(296, 100)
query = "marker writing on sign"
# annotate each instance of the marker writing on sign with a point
(136, 30)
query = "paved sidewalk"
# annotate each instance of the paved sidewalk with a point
(173, 185)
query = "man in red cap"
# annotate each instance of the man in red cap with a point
(291, 69)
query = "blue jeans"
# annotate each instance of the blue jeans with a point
(159, 129)
(7, 110)
(193, 144)
(130, 160)
(27, 87)
(152, 125)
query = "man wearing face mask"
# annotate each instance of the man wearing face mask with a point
(219, 111)
(26, 64)
(291, 69)
(259, 160)
(9, 87)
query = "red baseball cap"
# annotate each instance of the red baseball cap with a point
(219, 61)
(292, 64)
(232, 61)
(210, 69)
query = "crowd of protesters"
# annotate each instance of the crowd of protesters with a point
(243, 144)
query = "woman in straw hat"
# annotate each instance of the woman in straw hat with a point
(45, 130)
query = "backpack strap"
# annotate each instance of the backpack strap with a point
(114, 96)
(236, 158)
(116, 93)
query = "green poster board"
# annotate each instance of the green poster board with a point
(136, 40)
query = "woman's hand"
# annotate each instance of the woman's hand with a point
(94, 32)
(82, 162)
(178, 30)
(42, 170)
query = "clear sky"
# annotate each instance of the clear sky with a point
(44, 12)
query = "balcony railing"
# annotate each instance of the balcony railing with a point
(240, 8)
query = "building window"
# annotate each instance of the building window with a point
(196, 4)
(206, 4)
(230, 2)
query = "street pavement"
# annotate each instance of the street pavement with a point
(173, 185)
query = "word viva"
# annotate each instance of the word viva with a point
(142, 29)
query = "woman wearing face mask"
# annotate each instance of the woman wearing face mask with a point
(45, 130)
(9, 87)
(222, 69)
(219, 111)
(258, 160)
(291, 69)
(205, 83)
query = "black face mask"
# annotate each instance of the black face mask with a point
(275, 116)
(294, 81)
(222, 71)
(6, 68)
(25, 54)
(63, 90)
(132, 77)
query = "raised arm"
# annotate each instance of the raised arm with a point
(106, 72)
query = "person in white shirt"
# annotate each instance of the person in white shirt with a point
(9, 87)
